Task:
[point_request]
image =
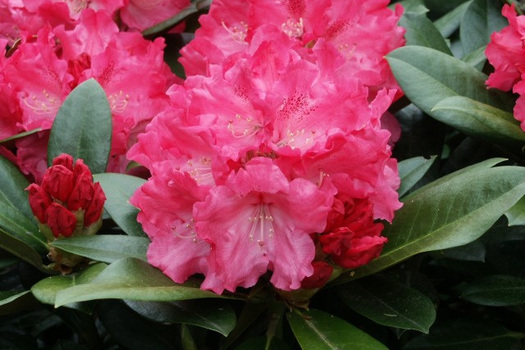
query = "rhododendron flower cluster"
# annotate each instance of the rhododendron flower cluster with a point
(271, 161)
(506, 52)
(41, 71)
(24, 18)
(67, 203)
(351, 37)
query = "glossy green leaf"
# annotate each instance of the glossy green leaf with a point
(82, 127)
(466, 335)
(317, 330)
(479, 120)
(389, 303)
(13, 302)
(476, 58)
(16, 225)
(194, 7)
(21, 249)
(215, 315)
(421, 31)
(105, 248)
(516, 214)
(480, 20)
(46, 290)
(12, 187)
(428, 76)
(496, 290)
(475, 251)
(449, 23)
(118, 189)
(131, 279)
(20, 135)
(411, 171)
(449, 212)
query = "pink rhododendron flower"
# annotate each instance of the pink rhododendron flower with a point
(245, 151)
(256, 222)
(354, 35)
(175, 247)
(41, 72)
(142, 14)
(506, 52)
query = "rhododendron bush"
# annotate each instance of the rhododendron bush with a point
(288, 174)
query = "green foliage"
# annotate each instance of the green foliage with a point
(118, 189)
(390, 303)
(318, 330)
(82, 127)
(105, 248)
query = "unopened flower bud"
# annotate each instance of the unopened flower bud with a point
(67, 203)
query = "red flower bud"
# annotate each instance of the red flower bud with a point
(358, 240)
(60, 220)
(67, 196)
(39, 201)
(82, 193)
(321, 275)
(58, 182)
(65, 160)
(94, 210)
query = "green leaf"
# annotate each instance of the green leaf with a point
(194, 7)
(21, 249)
(476, 58)
(12, 187)
(449, 212)
(421, 31)
(516, 214)
(428, 76)
(131, 279)
(466, 335)
(496, 290)
(449, 23)
(14, 302)
(389, 303)
(46, 290)
(317, 330)
(15, 224)
(474, 251)
(479, 120)
(105, 248)
(215, 315)
(82, 127)
(411, 171)
(118, 189)
(480, 20)
(20, 135)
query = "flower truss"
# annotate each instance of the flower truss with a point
(57, 54)
(272, 160)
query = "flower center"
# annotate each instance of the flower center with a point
(43, 105)
(243, 126)
(292, 28)
(237, 32)
(200, 170)
(118, 101)
(261, 223)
